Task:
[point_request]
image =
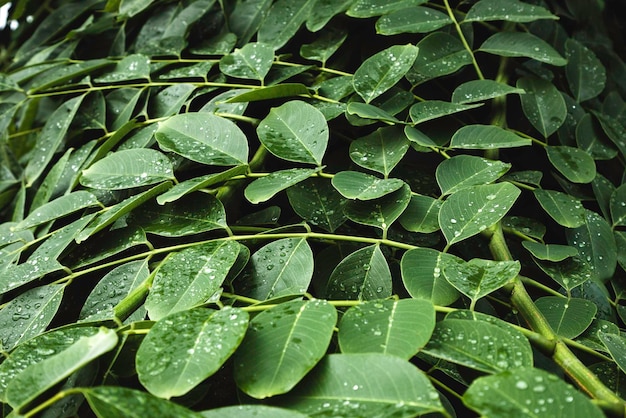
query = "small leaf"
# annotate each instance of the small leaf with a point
(522, 44)
(433, 109)
(473, 209)
(411, 20)
(369, 8)
(362, 275)
(479, 345)
(282, 345)
(317, 202)
(543, 104)
(190, 277)
(569, 273)
(575, 164)
(478, 90)
(381, 212)
(568, 317)
(396, 327)
(264, 188)
(131, 67)
(563, 208)
(616, 345)
(245, 19)
(361, 186)
(381, 150)
(252, 61)
(618, 206)
(283, 21)
(550, 252)
(421, 214)
(463, 171)
(251, 411)
(380, 72)
(486, 137)
(440, 53)
(502, 394)
(586, 76)
(295, 131)
(127, 169)
(59, 207)
(325, 46)
(422, 275)
(169, 100)
(508, 10)
(280, 268)
(271, 92)
(184, 348)
(478, 278)
(204, 138)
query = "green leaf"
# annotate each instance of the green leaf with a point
(478, 345)
(422, 276)
(486, 137)
(324, 11)
(440, 54)
(280, 268)
(478, 278)
(590, 139)
(365, 385)
(120, 104)
(596, 244)
(478, 90)
(520, 392)
(586, 76)
(131, 67)
(381, 150)
(246, 18)
(282, 345)
(369, 8)
(119, 401)
(50, 138)
(361, 186)
(271, 92)
(522, 44)
(362, 275)
(463, 171)
(473, 209)
(575, 164)
(508, 10)
(169, 100)
(58, 208)
(543, 104)
(433, 109)
(283, 21)
(563, 208)
(411, 20)
(186, 216)
(189, 186)
(325, 46)
(127, 169)
(251, 411)
(264, 188)
(37, 378)
(204, 138)
(550, 252)
(616, 345)
(568, 317)
(295, 131)
(190, 277)
(29, 314)
(184, 348)
(618, 206)
(383, 70)
(381, 212)
(252, 61)
(569, 273)
(396, 327)
(421, 214)
(317, 202)
(130, 8)
(368, 111)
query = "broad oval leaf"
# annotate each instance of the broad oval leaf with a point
(396, 327)
(568, 317)
(543, 104)
(440, 53)
(39, 377)
(295, 131)
(252, 61)
(361, 186)
(477, 278)
(131, 67)
(366, 385)
(586, 76)
(190, 277)
(433, 109)
(266, 93)
(508, 10)
(380, 72)
(362, 275)
(368, 111)
(473, 209)
(411, 20)
(264, 188)
(283, 21)
(381, 212)
(479, 345)
(563, 208)
(520, 392)
(280, 268)
(575, 164)
(550, 252)
(381, 150)
(522, 44)
(282, 345)
(422, 275)
(569, 273)
(478, 90)
(486, 137)
(58, 208)
(421, 214)
(128, 168)
(205, 138)
(251, 411)
(616, 345)
(317, 202)
(369, 8)
(325, 46)
(617, 205)
(463, 171)
(184, 348)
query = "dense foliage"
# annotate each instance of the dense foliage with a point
(343, 208)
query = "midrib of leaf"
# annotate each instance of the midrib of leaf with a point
(383, 78)
(285, 265)
(390, 324)
(298, 138)
(284, 349)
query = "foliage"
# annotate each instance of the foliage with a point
(312, 208)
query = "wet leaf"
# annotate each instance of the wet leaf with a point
(283, 20)
(369, 8)
(59, 207)
(575, 164)
(617, 206)
(252, 61)
(543, 104)
(251, 411)
(568, 317)
(325, 46)
(131, 67)
(411, 20)
(271, 92)
(264, 188)
(463, 171)
(522, 44)
(508, 10)
(317, 202)
(550, 252)
(563, 208)
(422, 275)
(282, 345)
(486, 137)
(586, 76)
(477, 278)
(432, 109)
(421, 215)
(361, 186)
(478, 90)
(616, 345)
(569, 273)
